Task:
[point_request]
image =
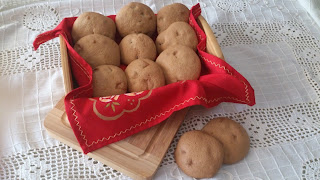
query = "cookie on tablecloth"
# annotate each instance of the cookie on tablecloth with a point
(232, 135)
(198, 154)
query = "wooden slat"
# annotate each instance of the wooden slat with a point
(212, 43)
(66, 70)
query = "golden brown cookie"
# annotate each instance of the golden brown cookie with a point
(233, 136)
(108, 80)
(178, 33)
(171, 13)
(98, 50)
(179, 63)
(198, 154)
(136, 17)
(92, 23)
(144, 74)
(137, 46)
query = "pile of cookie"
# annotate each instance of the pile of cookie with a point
(156, 50)
(149, 63)
(201, 153)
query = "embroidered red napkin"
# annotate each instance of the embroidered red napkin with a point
(97, 122)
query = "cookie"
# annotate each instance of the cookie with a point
(92, 23)
(98, 50)
(198, 154)
(233, 136)
(178, 33)
(171, 13)
(136, 17)
(137, 46)
(108, 80)
(144, 74)
(179, 63)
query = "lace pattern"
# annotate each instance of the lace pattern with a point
(56, 162)
(269, 42)
(232, 5)
(7, 4)
(311, 169)
(25, 109)
(25, 59)
(34, 16)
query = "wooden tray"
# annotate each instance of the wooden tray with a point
(137, 156)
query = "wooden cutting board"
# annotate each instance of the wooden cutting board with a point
(137, 156)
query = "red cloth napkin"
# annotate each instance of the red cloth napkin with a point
(97, 122)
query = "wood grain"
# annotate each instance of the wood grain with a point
(66, 70)
(139, 155)
(212, 43)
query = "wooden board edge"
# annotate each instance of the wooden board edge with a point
(213, 46)
(66, 70)
(58, 130)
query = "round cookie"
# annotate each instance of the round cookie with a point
(108, 80)
(179, 63)
(233, 136)
(144, 74)
(198, 154)
(137, 46)
(178, 33)
(171, 13)
(136, 17)
(98, 50)
(92, 23)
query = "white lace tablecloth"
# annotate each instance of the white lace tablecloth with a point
(273, 43)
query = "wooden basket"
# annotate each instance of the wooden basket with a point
(137, 156)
